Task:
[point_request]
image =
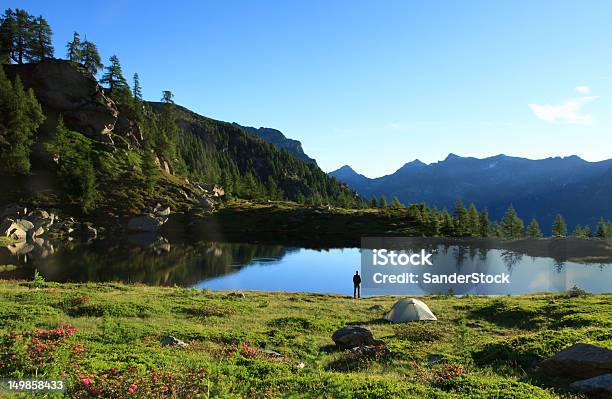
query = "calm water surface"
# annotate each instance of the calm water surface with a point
(236, 266)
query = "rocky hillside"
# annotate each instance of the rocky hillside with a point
(276, 137)
(94, 147)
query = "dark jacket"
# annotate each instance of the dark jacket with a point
(356, 279)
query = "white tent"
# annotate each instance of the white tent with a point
(409, 309)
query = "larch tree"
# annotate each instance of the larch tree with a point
(559, 228)
(90, 58)
(41, 45)
(113, 77)
(533, 229)
(20, 117)
(74, 48)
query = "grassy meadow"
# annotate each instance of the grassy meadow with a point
(272, 345)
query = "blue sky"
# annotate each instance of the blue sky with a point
(372, 84)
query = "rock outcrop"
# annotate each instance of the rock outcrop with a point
(598, 387)
(68, 88)
(353, 336)
(579, 360)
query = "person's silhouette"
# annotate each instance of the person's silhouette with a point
(356, 285)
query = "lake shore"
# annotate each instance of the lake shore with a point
(274, 344)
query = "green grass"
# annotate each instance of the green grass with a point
(494, 342)
(5, 241)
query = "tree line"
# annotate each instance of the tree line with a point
(470, 222)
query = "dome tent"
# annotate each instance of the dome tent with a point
(409, 309)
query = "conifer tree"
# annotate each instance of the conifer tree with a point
(473, 221)
(601, 228)
(484, 223)
(137, 90)
(559, 228)
(533, 230)
(113, 77)
(16, 35)
(460, 219)
(20, 117)
(41, 45)
(167, 97)
(8, 32)
(74, 48)
(382, 203)
(90, 58)
(395, 203)
(150, 170)
(511, 226)
(373, 203)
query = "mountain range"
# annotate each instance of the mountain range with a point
(580, 190)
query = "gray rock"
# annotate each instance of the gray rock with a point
(237, 294)
(24, 224)
(376, 307)
(271, 353)
(145, 224)
(579, 360)
(600, 386)
(352, 336)
(161, 210)
(67, 86)
(173, 341)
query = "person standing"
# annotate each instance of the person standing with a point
(356, 285)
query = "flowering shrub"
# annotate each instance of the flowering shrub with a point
(38, 351)
(132, 383)
(243, 349)
(449, 372)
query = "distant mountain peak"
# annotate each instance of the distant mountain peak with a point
(452, 156)
(345, 168)
(280, 141)
(412, 165)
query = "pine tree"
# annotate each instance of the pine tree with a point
(23, 35)
(533, 230)
(150, 170)
(41, 45)
(90, 58)
(473, 221)
(601, 228)
(382, 203)
(74, 48)
(512, 227)
(559, 228)
(8, 33)
(113, 77)
(395, 203)
(20, 117)
(484, 223)
(167, 97)
(373, 203)
(460, 219)
(75, 166)
(137, 90)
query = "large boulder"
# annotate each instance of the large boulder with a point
(600, 386)
(145, 224)
(352, 336)
(67, 88)
(579, 360)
